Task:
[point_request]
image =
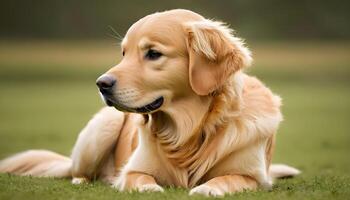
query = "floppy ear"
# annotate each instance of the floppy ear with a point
(214, 55)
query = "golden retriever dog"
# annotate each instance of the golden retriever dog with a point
(186, 116)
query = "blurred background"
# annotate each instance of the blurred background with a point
(254, 19)
(51, 53)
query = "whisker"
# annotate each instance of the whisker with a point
(114, 34)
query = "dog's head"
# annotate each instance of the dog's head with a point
(169, 56)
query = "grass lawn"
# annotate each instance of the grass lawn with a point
(47, 94)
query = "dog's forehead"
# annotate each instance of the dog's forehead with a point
(165, 27)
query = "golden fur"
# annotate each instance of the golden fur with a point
(214, 133)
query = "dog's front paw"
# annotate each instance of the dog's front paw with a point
(119, 184)
(122, 184)
(150, 188)
(207, 191)
(78, 181)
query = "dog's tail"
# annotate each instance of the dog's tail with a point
(41, 163)
(282, 171)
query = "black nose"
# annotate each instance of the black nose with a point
(105, 83)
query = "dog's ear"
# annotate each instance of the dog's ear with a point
(214, 55)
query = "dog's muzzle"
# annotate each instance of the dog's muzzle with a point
(106, 85)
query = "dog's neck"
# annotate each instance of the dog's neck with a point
(185, 130)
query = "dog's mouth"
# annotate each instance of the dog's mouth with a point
(148, 108)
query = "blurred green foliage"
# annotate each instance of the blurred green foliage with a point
(254, 19)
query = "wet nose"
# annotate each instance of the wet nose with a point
(106, 83)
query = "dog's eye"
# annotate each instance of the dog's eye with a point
(123, 53)
(153, 54)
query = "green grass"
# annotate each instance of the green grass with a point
(45, 102)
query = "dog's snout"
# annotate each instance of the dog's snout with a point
(106, 83)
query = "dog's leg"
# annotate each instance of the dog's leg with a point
(95, 144)
(139, 182)
(219, 186)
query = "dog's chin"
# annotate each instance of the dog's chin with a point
(148, 108)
